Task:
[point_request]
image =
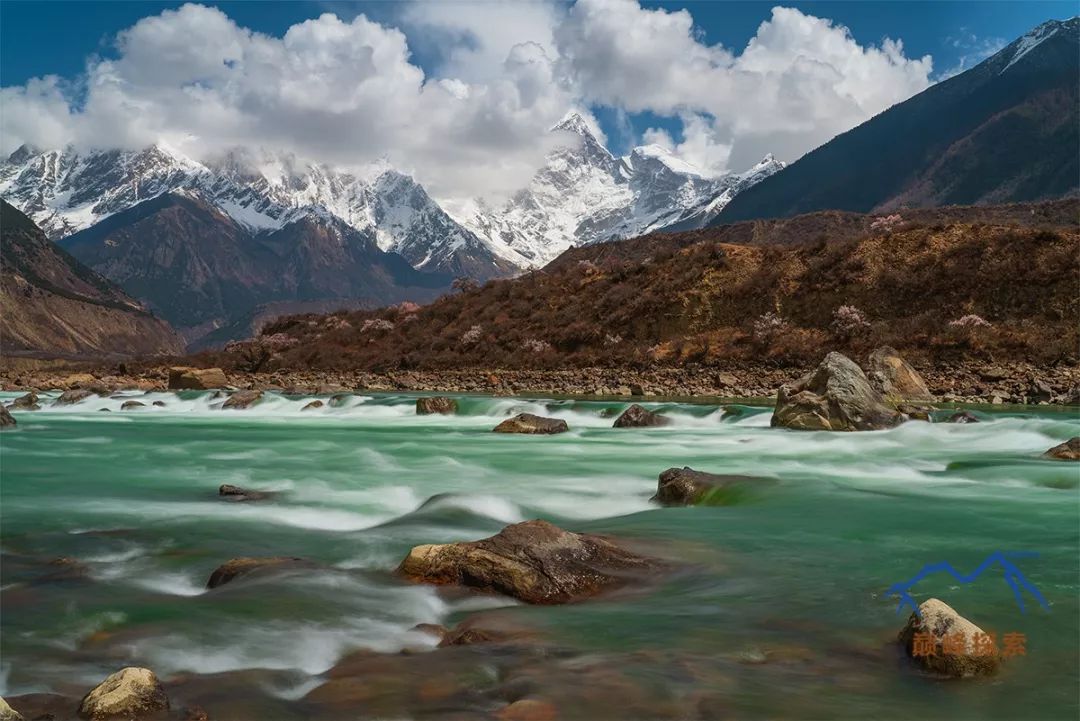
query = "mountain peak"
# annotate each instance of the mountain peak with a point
(1022, 46)
(573, 122)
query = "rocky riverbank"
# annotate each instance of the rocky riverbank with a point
(972, 382)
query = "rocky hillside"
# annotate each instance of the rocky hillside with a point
(197, 267)
(1004, 131)
(52, 305)
(995, 284)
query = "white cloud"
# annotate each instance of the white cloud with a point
(350, 92)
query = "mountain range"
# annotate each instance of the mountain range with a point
(1004, 131)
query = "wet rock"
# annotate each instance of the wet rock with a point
(1067, 451)
(339, 399)
(197, 379)
(436, 404)
(7, 713)
(963, 417)
(237, 567)
(894, 378)
(916, 413)
(6, 419)
(65, 568)
(529, 423)
(131, 405)
(637, 417)
(159, 404)
(237, 494)
(925, 640)
(687, 487)
(528, 709)
(130, 693)
(68, 398)
(313, 405)
(487, 628)
(242, 399)
(28, 402)
(836, 396)
(535, 562)
(194, 713)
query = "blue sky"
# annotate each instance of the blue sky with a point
(64, 38)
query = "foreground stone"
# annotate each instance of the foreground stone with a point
(242, 399)
(7, 713)
(895, 379)
(535, 562)
(1067, 451)
(436, 404)
(940, 621)
(6, 419)
(529, 423)
(237, 567)
(637, 417)
(28, 402)
(69, 398)
(131, 405)
(130, 693)
(237, 494)
(836, 396)
(313, 405)
(687, 487)
(963, 417)
(196, 379)
(916, 413)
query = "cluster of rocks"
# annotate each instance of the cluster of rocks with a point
(130, 694)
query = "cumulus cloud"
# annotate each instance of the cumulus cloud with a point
(349, 93)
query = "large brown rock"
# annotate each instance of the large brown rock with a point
(129, 694)
(242, 399)
(894, 378)
(28, 402)
(7, 713)
(197, 379)
(229, 492)
(836, 396)
(637, 417)
(535, 562)
(436, 404)
(687, 487)
(529, 423)
(68, 398)
(932, 652)
(1067, 451)
(6, 419)
(236, 567)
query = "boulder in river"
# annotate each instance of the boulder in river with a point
(28, 402)
(237, 494)
(687, 487)
(6, 419)
(836, 396)
(237, 567)
(130, 693)
(68, 398)
(637, 417)
(894, 378)
(242, 399)
(944, 642)
(159, 404)
(131, 405)
(313, 405)
(436, 404)
(7, 713)
(196, 379)
(529, 423)
(1067, 451)
(916, 412)
(963, 417)
(535, 562)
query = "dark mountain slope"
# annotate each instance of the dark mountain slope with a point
(1004, 131)
(54, 305)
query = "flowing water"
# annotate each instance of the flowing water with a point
(779, 610)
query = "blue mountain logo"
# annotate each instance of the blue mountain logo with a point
(1013, 577)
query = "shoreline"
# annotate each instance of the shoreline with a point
(971, 382)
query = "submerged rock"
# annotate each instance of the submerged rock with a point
(313, 405)
(130, 693)
(131, 405)
(687, 487)
(528, 709)
(916, 413)
(637, 417)
(894, 378)
(836, 396)
(6, 419)
(196, 379)
(1067, 451)
(237, 494)
(339, 399)
(963, 417)
(535, 562)
(529, 423)
(237, 567)
(7, 713)
(242, 399)
(436, 404)
(944, 642)
(28, 402)
(68, 398)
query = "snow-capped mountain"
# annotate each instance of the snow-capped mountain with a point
(65, 191)
(584, 194)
